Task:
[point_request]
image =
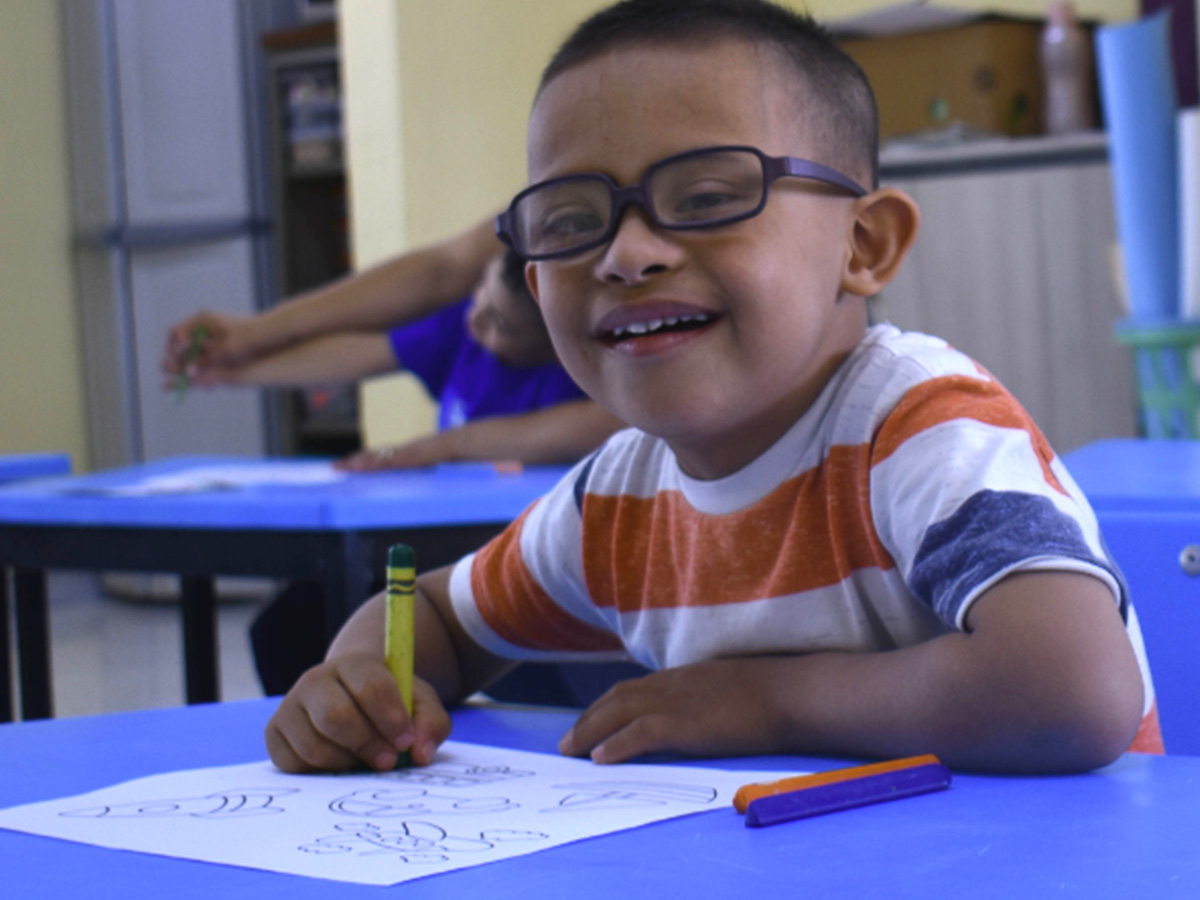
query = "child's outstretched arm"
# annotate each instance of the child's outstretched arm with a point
(347, 711)
(1044, 680)
(332, 359)
(402, 289)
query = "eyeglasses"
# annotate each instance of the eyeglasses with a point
(703, 188)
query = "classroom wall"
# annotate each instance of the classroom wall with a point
(41, 386)
(437, 97)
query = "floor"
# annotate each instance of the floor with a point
(123, 652)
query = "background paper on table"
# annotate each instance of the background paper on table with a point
(227, 477)
(474, 804)
(1137, 88)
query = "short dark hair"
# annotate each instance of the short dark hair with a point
(512, 271)
(831, 77)
(512, 276)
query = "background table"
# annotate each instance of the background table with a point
(1129, 830)
(19, 466)
(337, 533)
(1147, 497)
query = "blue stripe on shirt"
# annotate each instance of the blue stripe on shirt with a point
(990, 532)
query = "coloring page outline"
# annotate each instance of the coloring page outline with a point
(474, 804)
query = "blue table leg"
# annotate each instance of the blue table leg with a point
(6, 697)
(198, 595)
(33, 643)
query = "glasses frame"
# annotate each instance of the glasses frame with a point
(773, 167)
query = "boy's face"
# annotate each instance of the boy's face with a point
(772, 325)
(507, 325)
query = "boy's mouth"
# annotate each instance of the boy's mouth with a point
(649, 328)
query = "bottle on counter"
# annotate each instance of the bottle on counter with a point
(1068, 100)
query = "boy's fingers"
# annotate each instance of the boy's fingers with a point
(326, 725)
(377, 697)
(295, 745)
(610, 738)
(645, 734)
(608, 715)
(432, 723)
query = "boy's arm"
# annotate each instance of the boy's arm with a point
(347, 711)
(402, 289)
(1044, 680)
(563, 433)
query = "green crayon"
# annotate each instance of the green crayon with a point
(399, 638)
(190, 355)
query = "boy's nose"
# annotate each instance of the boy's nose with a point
(638, 249)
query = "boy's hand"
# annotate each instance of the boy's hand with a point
(715, 708)
(347, 712)
(416, 454)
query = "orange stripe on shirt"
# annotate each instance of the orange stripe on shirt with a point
(1149, 734)
(953, 397)
(660, 553)
(516, 607)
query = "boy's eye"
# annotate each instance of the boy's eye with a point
(710, 198)
(702, 200)
(570, 223)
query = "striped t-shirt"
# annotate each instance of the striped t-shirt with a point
(913, 484)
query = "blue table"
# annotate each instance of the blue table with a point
(1147, 497)
(337, 533)
(1128, 830)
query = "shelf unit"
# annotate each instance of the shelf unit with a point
(311, 231)
(1013, 265)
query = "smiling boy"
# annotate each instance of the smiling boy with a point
(826, 538)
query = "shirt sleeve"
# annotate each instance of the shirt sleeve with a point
(965, 491)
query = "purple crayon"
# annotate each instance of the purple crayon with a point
(827, 798)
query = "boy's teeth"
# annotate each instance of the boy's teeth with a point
(638, 328)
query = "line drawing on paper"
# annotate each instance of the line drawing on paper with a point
(412, 842)
(593, 795)
(236, 802)
(476, 804)
(371, 803)
(457, 775)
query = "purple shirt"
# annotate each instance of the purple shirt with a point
(466, 379)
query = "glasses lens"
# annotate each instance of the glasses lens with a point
(707, 188)
(560, 217)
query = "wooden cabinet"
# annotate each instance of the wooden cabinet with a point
(1013, 265)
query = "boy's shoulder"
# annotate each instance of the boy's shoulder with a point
(886, 367)
(886, 351)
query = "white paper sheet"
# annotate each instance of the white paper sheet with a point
(224, 478)
(473, 805)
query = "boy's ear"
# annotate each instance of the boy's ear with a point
(883, 230)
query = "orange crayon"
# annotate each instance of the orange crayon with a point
(750, 792)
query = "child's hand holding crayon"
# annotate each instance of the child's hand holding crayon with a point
(348, 713)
